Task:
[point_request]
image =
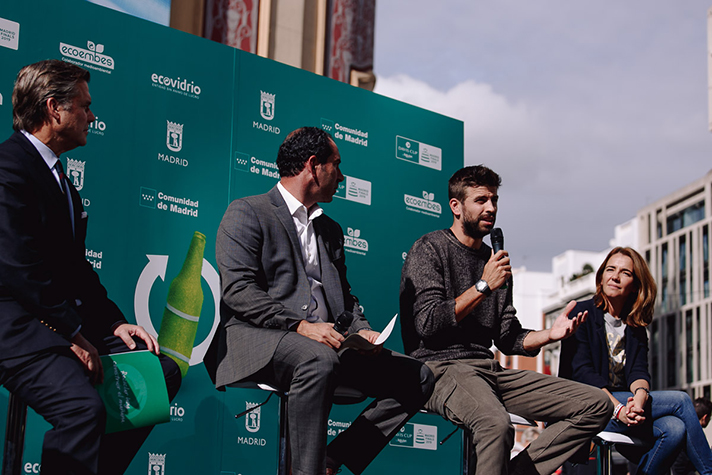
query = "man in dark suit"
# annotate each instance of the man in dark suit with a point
(284, 282)
(55, 316)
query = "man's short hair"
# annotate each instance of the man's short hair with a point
(703, 407)
(301, 144)
(477, 175)
(38, 82)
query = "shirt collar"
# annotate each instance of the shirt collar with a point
(296, 208)
(45, 152)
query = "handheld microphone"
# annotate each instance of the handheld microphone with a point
(343, 322)
(497, 240)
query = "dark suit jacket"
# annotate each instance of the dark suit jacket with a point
(265, 290)
(584, 356)
(43, 270)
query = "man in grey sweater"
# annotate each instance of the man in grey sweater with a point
(454, 306)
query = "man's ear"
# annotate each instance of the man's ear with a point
(455, 207)
(53, 108)
(705, 420)
(311, 164)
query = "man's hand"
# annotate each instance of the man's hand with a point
(565, 326)
(562, 328)
(497, 270)
(371, 336)
(321, 332)
(89, 357)
(126, 332)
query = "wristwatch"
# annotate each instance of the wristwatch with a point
(482, 287)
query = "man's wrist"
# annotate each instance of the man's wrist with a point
(483, 287)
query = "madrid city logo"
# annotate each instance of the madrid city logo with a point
(252, 418)
(75, 172)
(174, 136)
(156, 464)
(92, 56)
(425, 204)
(267, 101)
(354, 243)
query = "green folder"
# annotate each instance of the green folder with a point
(134, 391)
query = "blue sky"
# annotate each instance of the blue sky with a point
(588, 110)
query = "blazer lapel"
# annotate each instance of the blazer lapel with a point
(282, 212)
(56, 201)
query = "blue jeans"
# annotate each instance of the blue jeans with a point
(674, 426)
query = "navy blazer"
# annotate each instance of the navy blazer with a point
(584, 356)
(43, 269)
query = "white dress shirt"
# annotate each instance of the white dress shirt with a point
(310, 252)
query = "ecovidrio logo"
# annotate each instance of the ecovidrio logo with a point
(184, 87)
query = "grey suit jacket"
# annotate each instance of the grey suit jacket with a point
(265, 290)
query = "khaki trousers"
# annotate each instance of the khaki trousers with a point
(479, 394)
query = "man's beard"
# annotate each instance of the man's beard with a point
(473, 228)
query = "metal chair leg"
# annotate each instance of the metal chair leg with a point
(605, 459)
(285, 460)
(468, 453)
(14, 436)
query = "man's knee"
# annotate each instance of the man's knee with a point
(493, 427)
(321, 362)
(599, 407)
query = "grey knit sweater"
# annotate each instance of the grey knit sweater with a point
(438, 269)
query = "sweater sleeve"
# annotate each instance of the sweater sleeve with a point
(424, 296)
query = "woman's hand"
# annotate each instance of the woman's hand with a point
(634, 411)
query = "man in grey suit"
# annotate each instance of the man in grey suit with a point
(284, 282)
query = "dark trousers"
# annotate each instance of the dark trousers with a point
(311, 371)
(54, 384)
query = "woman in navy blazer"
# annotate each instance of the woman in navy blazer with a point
(625, 298)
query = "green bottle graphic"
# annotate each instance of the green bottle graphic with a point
(183, 305)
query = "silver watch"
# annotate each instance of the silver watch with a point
(482, 287)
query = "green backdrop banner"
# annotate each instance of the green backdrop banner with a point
(185, 125)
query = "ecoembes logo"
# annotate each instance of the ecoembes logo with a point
(425, 205)
(91, 57)
(354, 243)
(184, 87)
